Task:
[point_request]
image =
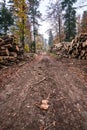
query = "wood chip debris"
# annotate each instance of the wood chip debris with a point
(44, 105)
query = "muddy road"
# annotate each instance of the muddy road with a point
(62, 83)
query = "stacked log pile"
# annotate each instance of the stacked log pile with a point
(60, 49)
(75, 49)
(8, 49)
(78, 47)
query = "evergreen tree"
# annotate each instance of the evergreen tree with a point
(6, 19)
(70, 19)
(34, 14)
(50, 41)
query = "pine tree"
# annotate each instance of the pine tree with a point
(50, 41)
(34, 14)
(70, 19)
(6, 19)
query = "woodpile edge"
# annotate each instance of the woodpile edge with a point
(9, 50)
(75, 49)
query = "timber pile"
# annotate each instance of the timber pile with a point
(9, 49)
(60, 49)
(11, 53)
(76, 49)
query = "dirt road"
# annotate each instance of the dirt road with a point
(62, 83)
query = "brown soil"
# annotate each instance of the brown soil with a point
(62, 82)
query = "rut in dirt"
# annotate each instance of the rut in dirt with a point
(60, 83)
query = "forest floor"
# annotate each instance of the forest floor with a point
(61, 84)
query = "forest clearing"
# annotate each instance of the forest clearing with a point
(43, 65)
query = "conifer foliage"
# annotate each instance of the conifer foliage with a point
(70, 19)
(34, 14)
(6, 19)
(50, 41)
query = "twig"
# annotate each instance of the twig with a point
(39, 81)
(52, 124)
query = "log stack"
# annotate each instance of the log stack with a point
(8, 49)
(60, 49)
(78, 47)
(75, 49)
